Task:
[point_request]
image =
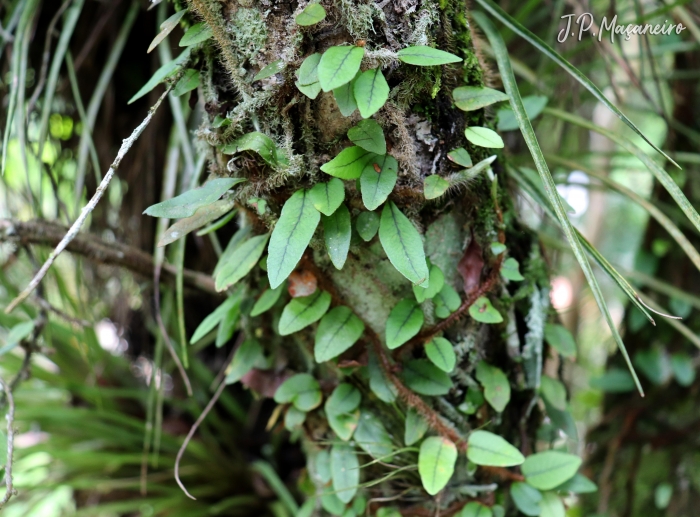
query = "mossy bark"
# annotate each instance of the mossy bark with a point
(421, 125)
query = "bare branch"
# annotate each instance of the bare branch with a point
(108, 253)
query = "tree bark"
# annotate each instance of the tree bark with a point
(422, 125)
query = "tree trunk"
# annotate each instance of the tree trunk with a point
(421, 126)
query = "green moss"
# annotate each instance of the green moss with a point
(248, 32)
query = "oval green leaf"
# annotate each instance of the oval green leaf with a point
(474, 509)
(307, 76)
(469, 98)
(511, 270)
(415, 428)
(291, 236)
(369, 135)
(311, 15)
(259, 143)
(560, 339)
(441, 353)
(345, 471)
(446, 301)
(302, 390)
(349, 163)
(248, 355)
(484, 137)
(303, 311)
(338, 331)
(403, 245)
(367, 224)
(436, 463)
(460, 156)
(426, 56)
(371, 92)
(554, 392)
(377, 181)
(496, 385)
(345, 99)
(267, 299)
(551, 505)
(425, 378)
(372, 437)
(482, 310)
(337, 231)
(434, 186)
(327, 197)
(485, 448)
(437, 282)
(338, 66)
(526, 498)
(405, 321)
(382, 387)
(549, 469)
(241, 262)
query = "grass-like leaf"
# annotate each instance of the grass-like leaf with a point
(550, 188)
(518, 28)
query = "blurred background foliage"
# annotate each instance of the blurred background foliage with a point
(103, 413)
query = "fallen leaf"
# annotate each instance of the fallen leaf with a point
(471, 265)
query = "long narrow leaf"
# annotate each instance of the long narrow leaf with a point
(616, 277)
(540, 45)
(550, 188)
(653, 211)
(655, 168)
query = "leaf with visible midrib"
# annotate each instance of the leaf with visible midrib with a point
(186, 204)
(349, 163)
(526, 498)
(345, 470)
(345, 99)
(307, 76)
(405, 321)
(303, 311)
(338, 66)
(214, 318)
(241, 262)
(441, 354)
(425, 378)
(403, 245)
(376, 186)
(337, 231)
(196, 34)
(291, 236)
(368, 135)
(166, 28)
(436, 463)
(202, 216)
(484, 137)
(549, 469)
(327, 197)
(496, 385)
(415, 427)
(421, 55)
(311, 15)
(372, 437)
(485, 448)
(371, 92)
(469, 98)
(338, 331)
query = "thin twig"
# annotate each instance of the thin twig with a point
(85, 212)
(189, 436)
(10, 416)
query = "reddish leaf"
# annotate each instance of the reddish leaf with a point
(471, 265)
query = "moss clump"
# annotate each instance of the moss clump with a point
(248, 32)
